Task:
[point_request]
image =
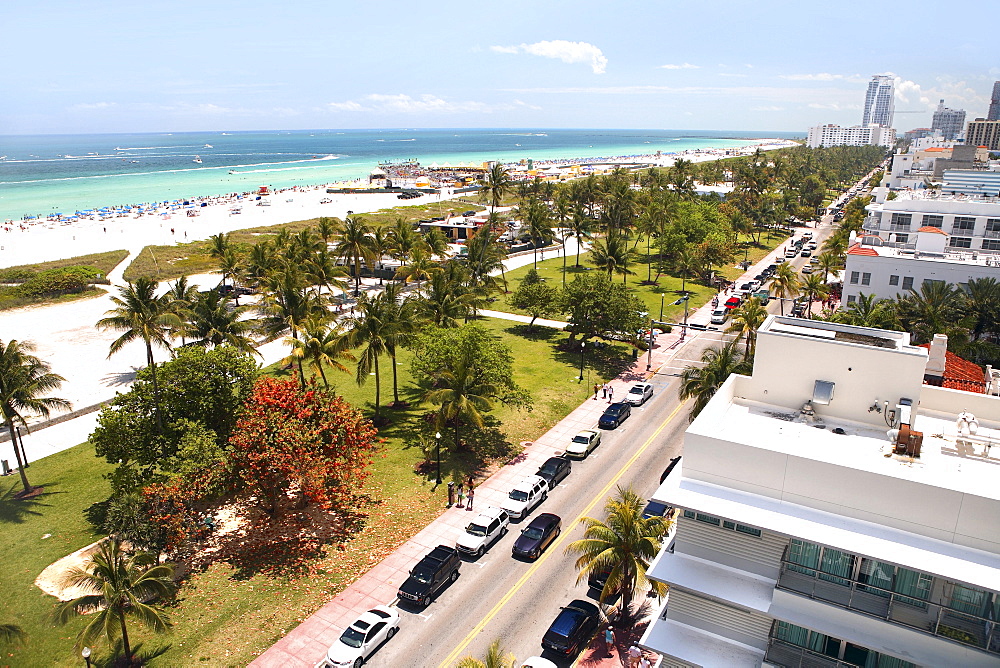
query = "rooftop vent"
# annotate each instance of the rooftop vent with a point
(823, 392)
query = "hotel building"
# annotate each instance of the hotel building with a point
(835, 135)
(834, 510)
(879, 102)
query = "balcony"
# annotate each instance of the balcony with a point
(870, 225)
(991, 234)
(932, 618)
(784, 654)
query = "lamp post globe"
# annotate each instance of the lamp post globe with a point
(85, 653)
(583, 345)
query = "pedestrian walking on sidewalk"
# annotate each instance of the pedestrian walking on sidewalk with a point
(634, 654)
(472, 495)
(644, 662)
(597, 387)
(604, 391)
(609, 640)
(611, 394)
(461, 495)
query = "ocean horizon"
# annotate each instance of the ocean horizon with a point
(43, 174)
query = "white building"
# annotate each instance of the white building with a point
(949, 122)
(857, 135)
(879, 101)
(831, 515)
(970, 222)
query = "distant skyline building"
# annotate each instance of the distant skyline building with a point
(835, 135)
(981, 132)
(994, 113)
(879, 101)
(950, 122)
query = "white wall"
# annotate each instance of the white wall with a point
(882, 268)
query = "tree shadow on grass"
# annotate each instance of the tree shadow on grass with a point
(114, 657)
(18, 511)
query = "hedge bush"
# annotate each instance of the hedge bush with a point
(52, 282)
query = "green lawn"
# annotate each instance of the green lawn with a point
(10, 296)
(224, 617)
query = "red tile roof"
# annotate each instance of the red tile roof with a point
(961, 374)
(935, 230)
(858, 249)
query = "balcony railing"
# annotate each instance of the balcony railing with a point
(932, 618)
(781, 653)
(992, 234)
(870, 225)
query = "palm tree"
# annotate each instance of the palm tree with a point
(213, 322)
(370, 330)
(784, 284)
(829, 262)
(231, 266)
(814, 288)
(326, 228)
(321, 345)
(538, 223)
(982, 301)
(286, 304)
(355, 245)
(140, 314)
(745, 321)
(495, 184)
(323, 271)
(612, 253)
(868, 311)
(461, 392)
(119, 586)
(701, 383)
(436, 242)
(23, 379)
(403, 240)
(581, 226)
(380, 244)
(935, 309)
(219, 245)
(420, 268)
(402, 321)
(260, 263)
(686, 264)
(624, 543)
(446, 300)
(496, 657)
(181, 296)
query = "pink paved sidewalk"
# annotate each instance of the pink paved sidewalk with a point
(306, 645)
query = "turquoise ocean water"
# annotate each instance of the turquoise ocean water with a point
(65, 173)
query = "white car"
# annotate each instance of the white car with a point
(583, 443)
(719, 316)
(526, 495)
(365, 635)
(486, 528)
(639, 393)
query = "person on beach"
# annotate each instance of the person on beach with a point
(634, 654)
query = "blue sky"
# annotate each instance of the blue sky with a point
(89, 66)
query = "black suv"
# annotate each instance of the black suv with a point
(554, 470)
(572, 628)
(614, 415)
(430, 575)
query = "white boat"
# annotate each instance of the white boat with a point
(208, 146)
(197, 159)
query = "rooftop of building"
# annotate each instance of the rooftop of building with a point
(868, 246)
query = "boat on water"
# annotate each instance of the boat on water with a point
(233, 171)
(197, 159)
(209, 146)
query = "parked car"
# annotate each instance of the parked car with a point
(614, 415)
(537, 662)
(814, 260)
(655, 509)
(639, 393)
(572, 628)
(537, 536)
(806, 252)
(764, 296)
(719, 316)
(583, 443)
(430, 575)
(525, 496)
(362, 637)
(484, 530)
(733, 302)
(807, 269)
(554, 470)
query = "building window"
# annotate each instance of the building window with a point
(991, 244)
(933, 221)
(901, 220)
(866, 278)
(960, 242)
(725, 524)
(963, 224)
(907, 282)
(851, 299)
(993, 225)
(701, 517)
(894, 279)
(915, 587)
(970, 600)
(902, 238)
(854, 277)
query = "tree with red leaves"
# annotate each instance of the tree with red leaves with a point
(305, 442)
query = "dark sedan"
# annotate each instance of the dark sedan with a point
(572, 628)
(537, 536)
(554, 470)
(614, 415)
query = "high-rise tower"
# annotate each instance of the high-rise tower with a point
(951, 122)
(879, 101)
(994, 113)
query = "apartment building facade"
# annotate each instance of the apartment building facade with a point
(831, 513)
(857, 135)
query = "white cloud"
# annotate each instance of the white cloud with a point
(350, 105)
(92, 106)
(834, 106)
(560, 49)
(685, 66)
(767, 108)
(956, 94)
(733, 74)
(405, 104)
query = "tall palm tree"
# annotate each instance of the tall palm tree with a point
(624, 543)
(355, 245)
(140, 314)
(403, 323)
(745, 321)
(326, 228)
(380, 244)
(24, 378)
(420, 268)
(868, 311)
(370, 330)
(437, 243)
(461, 392)
(260, 263)
(982, 301)
(213, 322)
(322, 269)
(581, 226)
(219, 245)
(686, 264)
(181, 296)
(321, 345)
(814, 288)
(702, 382)
(496, 657)
(286, 304)
(784, 284)
(447, 300)
(403, 240)
(613, 254)
(829, 262)
(495, 184)
(935, 309)
(537, 219)
(119, 587)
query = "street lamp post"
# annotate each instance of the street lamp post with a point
(583, 344)
(437, 437)
(649, 350)
(86, 655)
(662, 295)
(684, 300)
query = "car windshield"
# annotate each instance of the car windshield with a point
(614, 410)
(532, 532)
(422, 575)
(635, 390)
(548, 468)
(352, 638)
(518, 495)
(581, 438)
(476, 529)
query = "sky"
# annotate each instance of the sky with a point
(88, 66)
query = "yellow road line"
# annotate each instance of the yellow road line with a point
(478, 628)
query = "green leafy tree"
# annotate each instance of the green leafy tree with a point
(623, 543)
(702, 382)
(537, 298)
(613, 254)
(356, 245)
(24, 379)
(813, 287)
(370, 329)
(936, 308)
(321, 345)
(212, 321)
(495, 184)
(596, 306)
(119, 587)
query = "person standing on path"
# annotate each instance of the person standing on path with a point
(634, 654)
(461, 495)
(597, 386)
(604, 391)
(472, 494)
(609, 640)
(611, 394)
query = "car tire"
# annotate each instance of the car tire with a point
(358, 662)
(480, 552)
(503, 531)
(454, 575)
(393, 631)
